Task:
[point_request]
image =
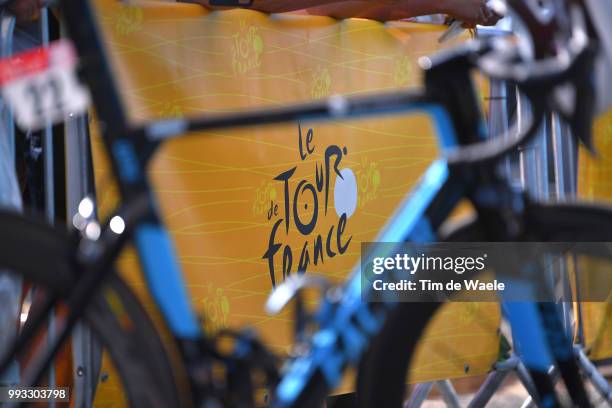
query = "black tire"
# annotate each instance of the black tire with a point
(40, 254)
(383, 370)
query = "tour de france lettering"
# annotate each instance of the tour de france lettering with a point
(316, 191)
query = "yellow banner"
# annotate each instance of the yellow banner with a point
(248, 207)
(595, 184)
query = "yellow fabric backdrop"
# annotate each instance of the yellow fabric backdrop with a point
(595, 184)
(215, 189)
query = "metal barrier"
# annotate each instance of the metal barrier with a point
(86, 355)
(7, 28)
(10, 197)
(86, 350)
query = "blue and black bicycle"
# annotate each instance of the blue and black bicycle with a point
(76, 268)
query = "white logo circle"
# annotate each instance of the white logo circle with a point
(345, 193)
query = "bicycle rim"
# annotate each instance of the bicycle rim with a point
(393, 349)
(115, 315)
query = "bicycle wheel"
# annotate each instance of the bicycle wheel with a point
(393, 349)
(115, 315)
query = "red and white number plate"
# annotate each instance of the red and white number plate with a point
(41, 85)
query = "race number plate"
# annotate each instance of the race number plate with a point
(41, 85)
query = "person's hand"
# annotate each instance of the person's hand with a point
(25, 10)
(471, 12)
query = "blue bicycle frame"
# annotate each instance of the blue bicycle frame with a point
(345, 329)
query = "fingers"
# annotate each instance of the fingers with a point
(483, 15)
(478, 13)
(491, 20)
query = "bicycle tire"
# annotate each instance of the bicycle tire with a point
(133, 343)
(392, 350)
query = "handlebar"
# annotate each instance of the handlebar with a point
(494, 149)
(542, 28)
(539, 79)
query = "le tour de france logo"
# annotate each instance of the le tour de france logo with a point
(291, 216)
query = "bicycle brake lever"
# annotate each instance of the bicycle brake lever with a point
(453, 30)
(287, 290)
(290, 289)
